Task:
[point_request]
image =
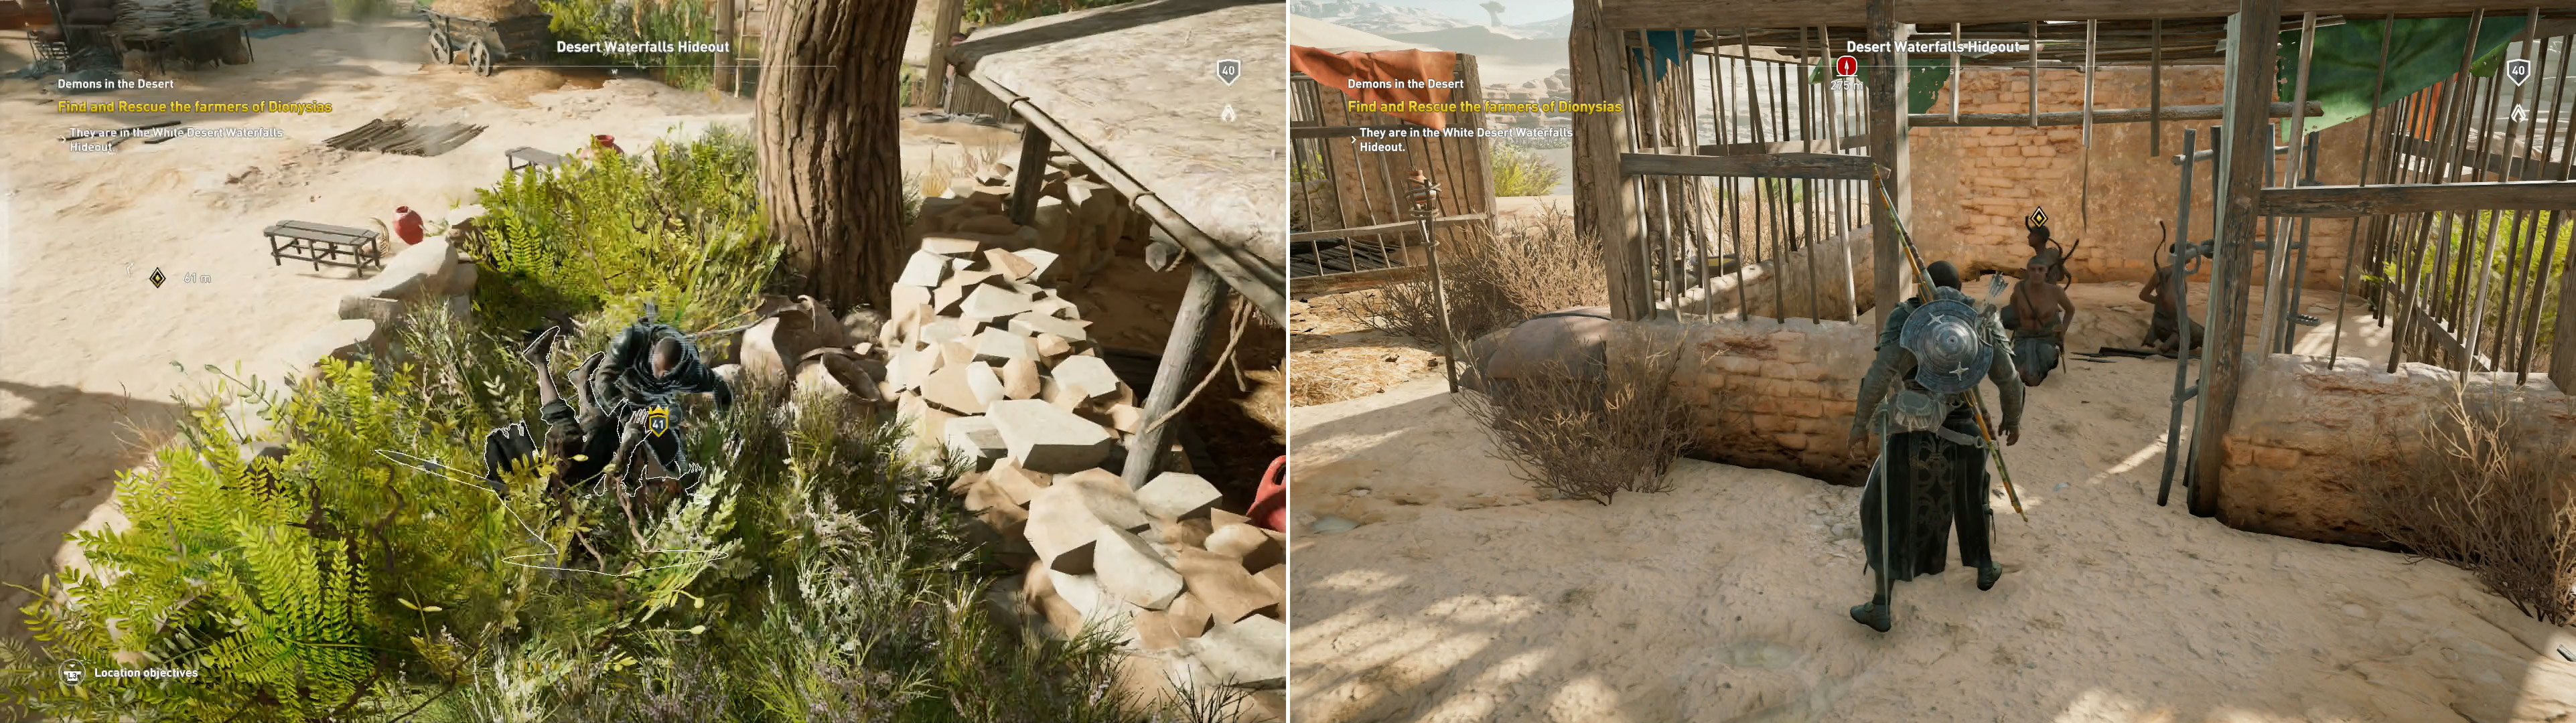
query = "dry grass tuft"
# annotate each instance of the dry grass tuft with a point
(1593, 433)
(2486, 493)
(957, 169)
(1534, 269)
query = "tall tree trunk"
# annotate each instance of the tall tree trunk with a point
(831, 170)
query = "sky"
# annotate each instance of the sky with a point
(1515, 12)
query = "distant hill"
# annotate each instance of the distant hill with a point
(1315, 33)
(1491, 47)
(1558, 28)
(1375, 17)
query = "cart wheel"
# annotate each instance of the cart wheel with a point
(478, 56)
(442, 49)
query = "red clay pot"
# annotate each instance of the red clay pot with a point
(1270, 501)
(606, 143)
(407, 225)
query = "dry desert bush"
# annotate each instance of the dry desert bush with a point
(1533, 269)
(2486, 493)
(1593, 433)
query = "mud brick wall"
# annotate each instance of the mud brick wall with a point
(1779, 395)
(1972, 186)
(2306, 434)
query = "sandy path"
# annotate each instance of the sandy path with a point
(85, 342)
(1462, 596)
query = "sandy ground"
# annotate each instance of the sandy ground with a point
(90, 345)
(1463, 595)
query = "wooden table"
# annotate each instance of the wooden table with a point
(324, 244)
(525, 157)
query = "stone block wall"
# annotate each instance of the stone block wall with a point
(1972, 186)
(2306, 433)
(1779, 394)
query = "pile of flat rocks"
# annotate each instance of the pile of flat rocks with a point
(986, 357)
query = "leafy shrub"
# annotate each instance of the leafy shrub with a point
(681, 228)
(2467, 239)
(1519, 171)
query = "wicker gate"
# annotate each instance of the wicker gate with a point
(1346, 203)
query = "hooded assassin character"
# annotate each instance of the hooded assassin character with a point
(645, 370)
(1930, 466)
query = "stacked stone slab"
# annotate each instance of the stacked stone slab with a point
(1078, 218)
(993, 364)
(1179, 579)
(425, 274)
(799, 340)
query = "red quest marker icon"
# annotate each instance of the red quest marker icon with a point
(1847, 66)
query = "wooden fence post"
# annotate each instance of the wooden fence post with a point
(934, 67)
(727, 77)
(1891, 280)
(1605, 199)
(2253, 38)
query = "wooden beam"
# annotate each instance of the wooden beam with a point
(1643, 14)
(1259, 280)
(1029, 180)
(1308, 287)
(2353, 201)
(2245, 153)
(2068, 118)
(1819, 145)
(1391, 227)
(1892, 278)
(1201, 303)
(2449, 339)
(1605, 200)
(2526, 168)
(728, 75)
(1304, 132)
(1771, 165)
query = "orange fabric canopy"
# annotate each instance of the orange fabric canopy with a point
(1337, 70)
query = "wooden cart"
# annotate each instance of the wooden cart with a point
(487, 42)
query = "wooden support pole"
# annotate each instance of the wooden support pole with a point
(2155, 87)
(1954, 72)
(934, 66)
(1771, 165)
(728, 73)
(1605, 200)
(2070, 118)
(1200, 304)
(2349, 201)
(1849, 13)
(1816, 145)
(1028, 182)
(1887, 147)
(2253, 46)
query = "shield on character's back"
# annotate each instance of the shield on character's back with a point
(1949, 346)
